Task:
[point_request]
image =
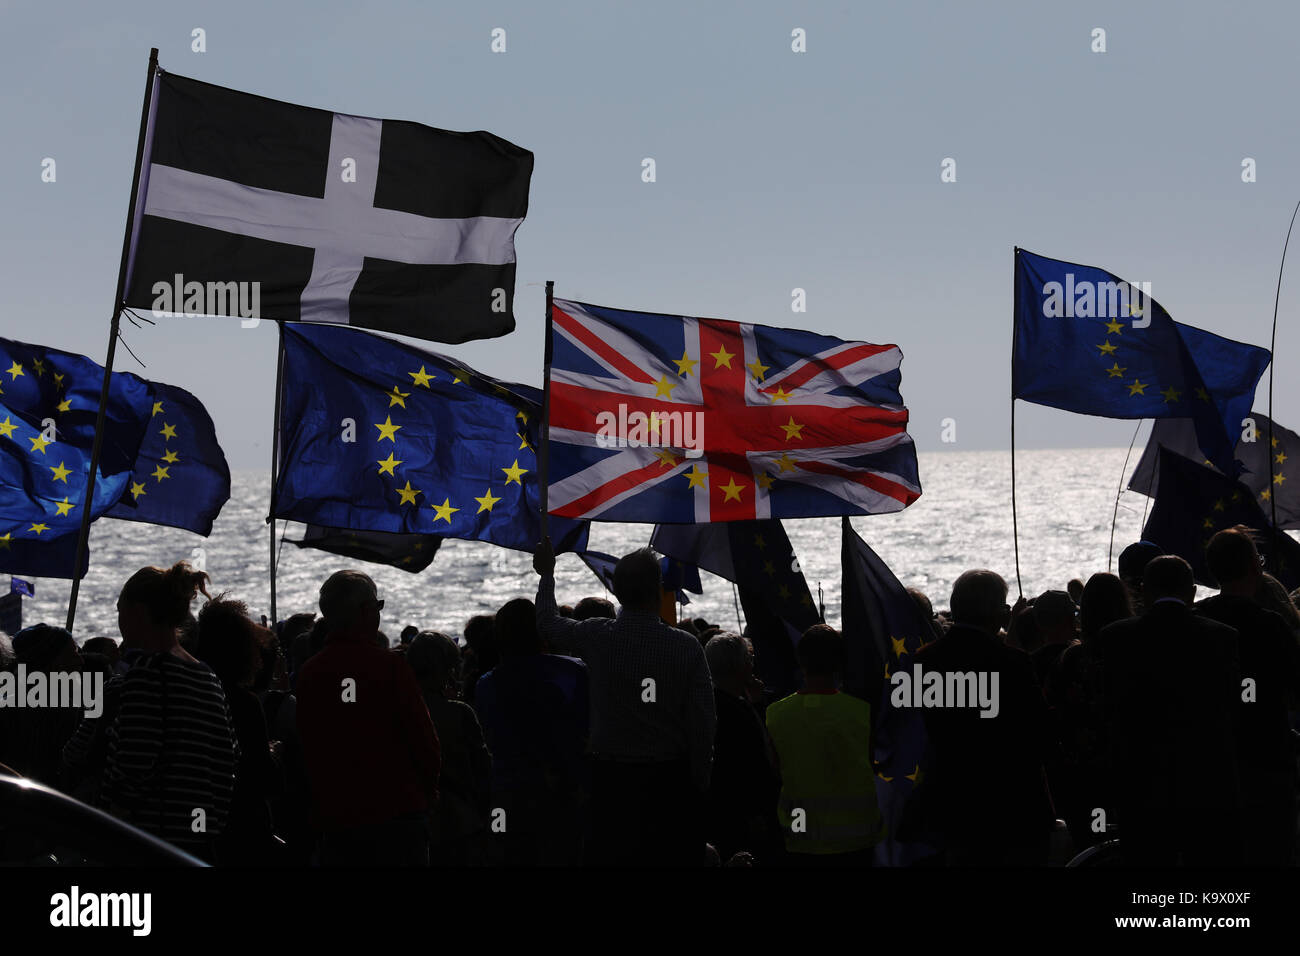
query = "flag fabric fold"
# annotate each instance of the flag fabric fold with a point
(409, 552)
(376, 435)
(1086, 341)
(675, 419)
(257, 208)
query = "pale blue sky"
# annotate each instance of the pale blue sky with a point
(775, 169)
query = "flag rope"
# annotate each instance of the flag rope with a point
(1272, 363)
(1110, 551)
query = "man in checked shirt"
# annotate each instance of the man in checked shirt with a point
(652, 718)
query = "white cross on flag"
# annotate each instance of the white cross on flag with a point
(255, 208)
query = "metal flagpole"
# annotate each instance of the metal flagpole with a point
(544, 451)
(1015, 526)
(83, 536)
(1272, 362)
(1110, 551)
(275, 456)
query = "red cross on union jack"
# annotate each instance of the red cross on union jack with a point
(785, 423)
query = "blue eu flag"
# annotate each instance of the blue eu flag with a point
(180, 478)
(1087, 341)
(376, 435)
(49, 400)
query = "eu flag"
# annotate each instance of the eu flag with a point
(882, 627)
(376, 435)
(758, 558)
(677, 577)
(1194, 502)
(49, 400)
(410, 552)
(1086, 341)
(180, 478)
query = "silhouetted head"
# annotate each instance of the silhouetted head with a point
(516, 629)
(1054, 613)
(593, 607)
(1075, 590)
(350, 603)
(1168, 576)
(435, 658)
(45, 647)
(1233, 559)
(821, 651)
(102, 645)
(731, 660)
(638, 581)
(1104, 601)
(154, 604)
(979, 599)
(227, 640)
(1133, 562)
(922, 602)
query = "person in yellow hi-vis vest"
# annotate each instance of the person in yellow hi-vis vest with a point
(827, 808)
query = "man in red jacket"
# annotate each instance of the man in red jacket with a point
(371, 749)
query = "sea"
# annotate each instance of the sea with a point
(963, 519)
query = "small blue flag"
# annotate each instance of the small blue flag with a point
(19, 586)
(376, 435)
(1086, 341)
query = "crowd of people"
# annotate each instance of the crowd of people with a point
(593, 735)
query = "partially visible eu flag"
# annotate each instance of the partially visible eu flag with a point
(883, 627)
(758, 558)
(42, 556)
(376, 435)
(1194, 502)
(1086, 341)
(410, 552)
(49, 401)
(677, 577)
(180, 478)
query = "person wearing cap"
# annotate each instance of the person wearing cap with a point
(1133, 562)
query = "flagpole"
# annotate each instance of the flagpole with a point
(544, 452)
(1110, 551)
(1272, 362)
(275, 455)
(83, 536)
(1015, 525)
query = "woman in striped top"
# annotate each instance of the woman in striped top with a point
(172, 750)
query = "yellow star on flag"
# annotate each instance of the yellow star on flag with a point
(1115, 371)
(388, 464)
(792, 430)
(731, 491)
(486, 502)
(39, 527)
(171, 457)
(421, 378)
(781, 395)
(4, 541)
(408, 494)
(137, 489)
(397, 398)
(444, 511)
(1280, 457)
(764, 480)
(786, 462)
(514, 473)
(1137, 388)
(157, 407)
(664, 388)
(666, 458)
(760, 542)
(757, 369)
(60, 473)
(1202, 394)
(1171, 394)
(64, 507)
(14, 371)
(7, 428)
(768, 569)
(168, 431)
(1114, 327)
(387, 430)
(1106, 348)
(696, 478)
(64, 405)
(39, 366)
(900, 646)
(1266, 494)
(1279, 478)
(39, 441)
(722, 358)
(160, 473)
(685, 364)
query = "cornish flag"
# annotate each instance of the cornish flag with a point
(256, 208)
(673, 419)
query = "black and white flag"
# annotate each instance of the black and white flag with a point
(254, 208)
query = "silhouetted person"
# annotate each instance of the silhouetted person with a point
(371, 751)
(745, 783)
(103, 645)
(171, 752)
(823, 740)
(1172, 691)
(1054, 617)
(652, 718)
(1074, 690)
(590, 607)
(478, 655)
(535, 712)
(986, 791)
(32, 738)
(460, 820)
(1132, 564)
(228, 641)
(1268, 657)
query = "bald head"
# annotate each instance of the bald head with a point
(979, 599)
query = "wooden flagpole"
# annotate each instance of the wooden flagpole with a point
(119, 297)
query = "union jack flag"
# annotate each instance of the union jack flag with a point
(673, 419)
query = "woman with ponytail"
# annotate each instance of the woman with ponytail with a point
(172, 754)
